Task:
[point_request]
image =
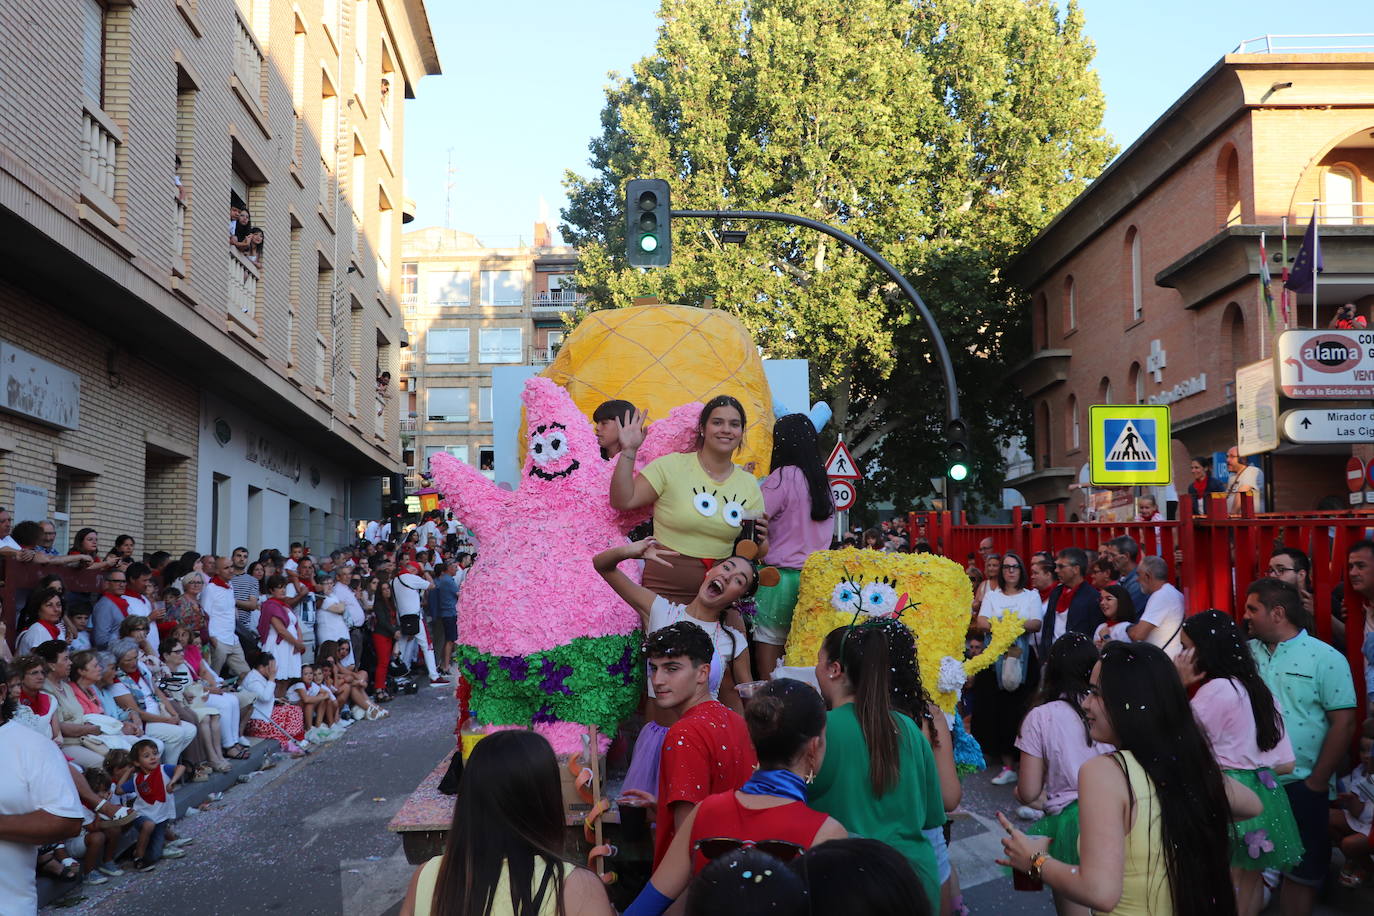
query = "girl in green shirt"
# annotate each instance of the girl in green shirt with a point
(879, 777)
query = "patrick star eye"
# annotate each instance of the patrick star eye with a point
(879, 598)
(704, 502)
(557, 446)
(541, 449)
(733, 513)
(845, 597)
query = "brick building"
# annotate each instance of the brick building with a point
(1146, 288)
(469, 308)
(153, 379)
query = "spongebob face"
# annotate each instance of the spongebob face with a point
(876, 598)
(710, 502)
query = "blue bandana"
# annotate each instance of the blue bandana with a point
(782, 783)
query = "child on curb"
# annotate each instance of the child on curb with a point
(102, 834)
(317, 704)
(152, 784)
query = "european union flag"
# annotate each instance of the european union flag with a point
(1303, 277)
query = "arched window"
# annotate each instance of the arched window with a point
(1233, 341)
(1338, 193)
(1043, 435)
(1070, 303)
(1137, 383)
(1137, 290)
(1104, 391)
(1074, 433)
(1228, 187)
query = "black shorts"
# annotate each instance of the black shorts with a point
(450, 628)
(1310, 811)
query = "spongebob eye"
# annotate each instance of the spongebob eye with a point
(557, 446)
(733, 514)
(845, 597)
(879, 598)
(704, 502)
(540, 449)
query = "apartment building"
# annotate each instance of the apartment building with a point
(1147, 287)
(469, 308)
(156, 379)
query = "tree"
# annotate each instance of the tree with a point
(944, 133)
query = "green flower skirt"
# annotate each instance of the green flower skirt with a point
(1270, 840)
(1062, 829)
(777, 602)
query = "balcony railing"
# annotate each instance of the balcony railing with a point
(409, 424)
(559, 300)
(409, 303)
(410, 470)
(1335, 43)
(99, 154)
(248, 60)
(243, 285)
(1338, 212)
(541, 356)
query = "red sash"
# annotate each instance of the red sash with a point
(119, 601)
(151, 787)
(52, 629)
(216, 580)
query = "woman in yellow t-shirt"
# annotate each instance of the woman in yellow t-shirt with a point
(701, 499)
(502, 855)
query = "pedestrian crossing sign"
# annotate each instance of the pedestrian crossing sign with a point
(1129, 444)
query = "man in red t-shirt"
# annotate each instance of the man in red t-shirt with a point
(708, 750)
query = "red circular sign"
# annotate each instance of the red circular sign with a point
(842, 491)
(1354, 474)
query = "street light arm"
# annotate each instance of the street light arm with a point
(941, 351)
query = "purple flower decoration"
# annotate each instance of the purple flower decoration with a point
(625, 667)
(747, 607)
(544, 715)
(516, 666)
(1266, 778)
(554, 675)
(479, 670)
(1257, 843)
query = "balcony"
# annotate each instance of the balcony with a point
(248, 60)
(100, 142)
(558, 300)
(410, 470)
(243, 285)
(542, 356)
(408, 366)
(409, 425)
(179, 232)
(326, 191)
(1044, 368)
(409, 303)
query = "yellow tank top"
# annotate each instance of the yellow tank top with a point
(1145, 879)
(500, 904)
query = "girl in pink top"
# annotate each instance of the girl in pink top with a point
(1244, 723)
(796, 499)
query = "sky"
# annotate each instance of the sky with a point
(524, 83)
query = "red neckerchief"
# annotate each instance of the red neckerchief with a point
(1066, 597)
(151, 787)
(1045, 593)
(120, 602)
(32, 700)
(216, 580)
(52, 629)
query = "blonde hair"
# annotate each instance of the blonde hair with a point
(190, 577)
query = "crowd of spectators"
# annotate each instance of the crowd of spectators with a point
(177, 666)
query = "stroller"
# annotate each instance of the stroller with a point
(398, 679)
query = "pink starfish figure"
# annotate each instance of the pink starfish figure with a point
(542, 638)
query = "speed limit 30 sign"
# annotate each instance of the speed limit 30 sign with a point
(842, 492)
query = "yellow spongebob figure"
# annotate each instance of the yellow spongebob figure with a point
(930, 594)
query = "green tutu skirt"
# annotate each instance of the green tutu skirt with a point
(1062, 829)
(776, 603)
(1270, 840)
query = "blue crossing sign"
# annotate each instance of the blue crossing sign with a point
(1128, 444)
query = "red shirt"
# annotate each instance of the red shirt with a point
(724, 816)
(706, 752)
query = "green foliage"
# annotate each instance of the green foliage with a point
(944, 133)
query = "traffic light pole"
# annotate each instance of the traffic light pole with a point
(941, 351)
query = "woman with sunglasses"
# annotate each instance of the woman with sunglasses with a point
(1002, 692)
(879, 775)
(769, 813)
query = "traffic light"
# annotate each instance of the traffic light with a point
(957, 458)
(648, 229)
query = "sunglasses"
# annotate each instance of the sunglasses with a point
(717, 846)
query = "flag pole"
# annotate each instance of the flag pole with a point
(1283, 300)
(1316, 256)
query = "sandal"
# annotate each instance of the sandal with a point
(237, 752)
(1352, 878)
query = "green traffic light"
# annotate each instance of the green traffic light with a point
(958, 471)
(648, 243)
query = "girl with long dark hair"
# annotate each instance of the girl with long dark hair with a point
(701, 499)
(879, 777)
(1244, 725)
(1119, 608)
(1000, 696)
(1055, 742)
(1155, 816)
(502, 857)
(796, 495)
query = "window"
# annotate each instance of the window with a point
(1228, 186)
(1338, 189)
(1104, 391)
(1070, 303)
(321, 359)
(486, 459)
(484, 404)
(449, 288)
(446, 345)
(93, 50)
(62, 512)
(447, 405)
(1137, 286)
(457, 451)
(500, 345)
(360, 38)
(503, 287)
(410, 285)
(1074, 436)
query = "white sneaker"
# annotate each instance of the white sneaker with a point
(1004, 778)
(1027, 813)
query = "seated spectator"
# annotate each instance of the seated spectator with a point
(102, 835)
(507, 831)
(68, 713)
(138, 693)
(77, 625)
(282, 722)
(183, 690)
(1121, 614)
(349, 685)
(747, 881)
(153, 783)
(187, 608)
(861, 877)
(136, 627)
(40, 620)
(36, 709)
(319, 708)
(105, 689)
(1352, 817)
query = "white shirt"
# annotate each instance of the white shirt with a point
(330, 622)
(290, 564)
(35, 636)
(353, 614)
(10, 542)
(1025, 602)
(1165, 609)
(427, 531)
(36, 779)
(727, 642)
(384, 533)
(218, 604)
(370, 532)
(262, 693)
(409, 588)
(1246, 477)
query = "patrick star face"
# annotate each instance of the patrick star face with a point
(559, 441)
